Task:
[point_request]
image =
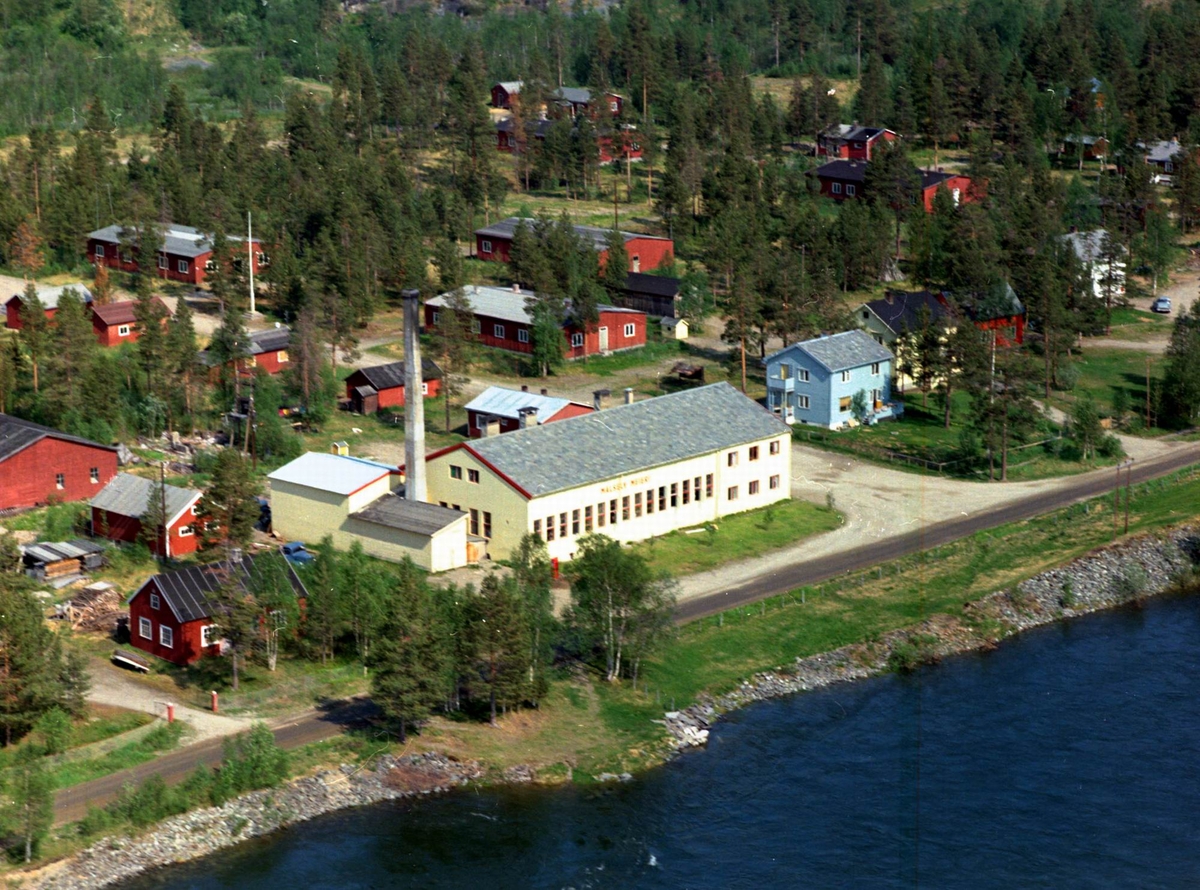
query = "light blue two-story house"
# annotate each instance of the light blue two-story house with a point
(815, 381)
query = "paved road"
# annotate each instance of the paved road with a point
(823, 568)
(70, 804)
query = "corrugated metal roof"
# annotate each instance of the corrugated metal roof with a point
(628, 438)
(594, 235)
(331, 472)
(17, 435)
(186, 590)
(504, 402)
(128, 495)
(177, 240)
(574, 95)
(391, 375)
(53, 552)
(270, 340)
(410, 516)
(841, 352)
(505, 304)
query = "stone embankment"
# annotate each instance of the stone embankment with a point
(1108, 577)
(201, 832)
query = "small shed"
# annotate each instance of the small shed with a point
(675, 328)
(62, 562)
(364, 399)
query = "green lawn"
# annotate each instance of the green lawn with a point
(743, 536)
(1128, 323)
(1102, 372)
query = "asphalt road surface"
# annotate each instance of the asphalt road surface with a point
(822, 569)
(71, 804)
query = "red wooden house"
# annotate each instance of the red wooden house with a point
(116, 323)
(39, 465)
(185, 255)
(851, 142)
(118, 509)
(842, 180)
(611, 145)
(505, 93)
(171, 615)
(370, 389)
(267, 351)
(502, 410)
(49, 296)
(502, 320)
(645, 252)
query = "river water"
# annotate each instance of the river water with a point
(1068, 757)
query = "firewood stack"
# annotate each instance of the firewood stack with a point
(96, 608)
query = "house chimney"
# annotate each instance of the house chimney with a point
(528, 417)
(491, 426)
(414, 405)
(598, 398)
(524, 387)
(545, 392)
(516, 287)
(235, 555)
(629, 395)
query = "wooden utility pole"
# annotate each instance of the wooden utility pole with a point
(1147, 393)
(1128, 486)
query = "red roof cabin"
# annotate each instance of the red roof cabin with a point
(851, 142)
(171, 615)
(118, 509)
(382, 386)
(501, 320)
(185, 255)
(49, 295)
(842, 180)
(500, 410)
(116, 323)
(39, 465)
(645, 252)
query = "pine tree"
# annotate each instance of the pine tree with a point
(407, 680)
(362, 595)
(35, 330)
(151, 314)
(232, 501)
(30, 811)
(323, 609)
(532, 571)
(453, 331)
(236, 616)
(499, 643)
(1181, 377)
(180, 356)
(74, 354)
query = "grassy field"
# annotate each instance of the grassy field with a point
(1104, 372)
(743, 536)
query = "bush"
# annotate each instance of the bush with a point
(251, 761)
(54, 727)
(912, 652)
(1132, 581)
(1065, 377)
(1110, 446)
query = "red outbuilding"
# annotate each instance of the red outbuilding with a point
(645, 252)
(851, 142)
(185, 254)
(267, 351)
(39, 465)
(501, 410)
(49, 295)
(501, 319)
(370, 389)
(171, 615)
(116, 323)
(117, 513)
(842, 180)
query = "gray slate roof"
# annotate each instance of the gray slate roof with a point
(903, 312)
(507, 403)
(186, 590)
(334, 473)
(595, 235)
(841, 352)
(49, 294)
(176, 240)
(410, 516)
(628, 438)
(1089, 246)
(17, 435)
(128, 495)
(1161, 152)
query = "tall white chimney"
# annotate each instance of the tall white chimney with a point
(414, 404)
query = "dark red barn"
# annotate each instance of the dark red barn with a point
(370, 389)
(171, 615)
(39, 465)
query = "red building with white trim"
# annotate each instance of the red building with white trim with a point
(185, 254)
(843, 180)
(171, 615)
(501, 320)
(116, 323)
(39, 465)
(382, 386)
(645, 252)
(49, 295)
(851, 142)
(117, 513)
(501, 410)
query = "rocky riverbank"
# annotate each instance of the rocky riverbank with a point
(201, 832)
(1111, 576)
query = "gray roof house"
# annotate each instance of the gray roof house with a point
(816, 381)
(1100, 259)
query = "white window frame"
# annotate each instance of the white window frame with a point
(731, 493)
(162, 261)
(195, 509)
(186, 531)
(874, 367)
(424, 387)
(155, 602)
(282, 357)
(481, 421)
(123, 330)
(851, 191)
(436, 317)
(630, 330)
(206, 636)
(577, 341)
(210, 265)
(773, 482)
(181, 266)
(99, 250)
(60, 481)
(94, 474)
(836, 188)
(776, 446)
(802, 375)
(802, 403)
(523, 335)
(166, 636)
(485, 246)
(145, 629)
(499, 331)
(845, 376)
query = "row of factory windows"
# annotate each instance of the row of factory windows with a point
(636, 505)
